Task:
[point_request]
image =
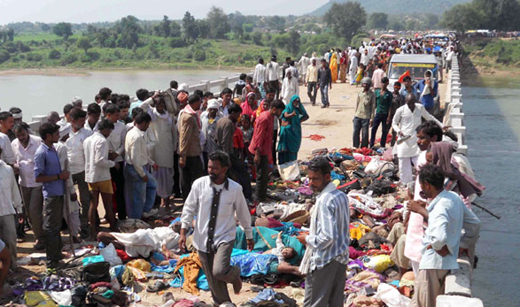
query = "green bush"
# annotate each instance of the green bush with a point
(34, 57)
(177, 42)
(54, 54)
(199, 55)
(69, 58)
(4, 56)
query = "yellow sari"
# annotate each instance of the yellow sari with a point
(334, 67)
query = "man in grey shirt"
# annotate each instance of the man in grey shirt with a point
(325, 83)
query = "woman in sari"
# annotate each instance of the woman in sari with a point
(291, 130)
(343, 67)
(334, 66)
(250, 105)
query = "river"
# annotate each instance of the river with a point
(492, 118)
(39, 94)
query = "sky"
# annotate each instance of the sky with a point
(78, 11)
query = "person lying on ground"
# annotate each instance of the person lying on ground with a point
(282, 252)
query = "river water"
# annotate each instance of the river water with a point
(492, 118)
(493, 137)
(39, 94)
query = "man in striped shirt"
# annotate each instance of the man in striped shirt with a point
(327, 254)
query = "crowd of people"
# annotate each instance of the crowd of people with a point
(138, 155)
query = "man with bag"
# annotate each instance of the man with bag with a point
(327, 254)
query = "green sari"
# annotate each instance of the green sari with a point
(291, 135)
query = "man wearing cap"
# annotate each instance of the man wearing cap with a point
(364, 114)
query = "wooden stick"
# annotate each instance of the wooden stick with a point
(486, 210)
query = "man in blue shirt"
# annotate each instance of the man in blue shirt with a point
(427, 90)
(327, 254)
(408, 88)
(47, 170)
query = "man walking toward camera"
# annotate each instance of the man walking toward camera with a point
(215, 200)
(327, 254)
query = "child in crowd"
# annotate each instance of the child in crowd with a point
(247, 130)
(239, 86)
(282, 252)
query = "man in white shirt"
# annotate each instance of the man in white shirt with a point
(311, 79)
(365, 59)
(24, 148)
(290, 87)
(215, 200)
(97, 174)
(141, 186)
(116, 152)
(272, 74)
(259, 75)
(406, 120)
(10, 205)
(93, 115)
(304, 62)
(449, 59)
(447, 216)
(106, 94)
(76, 155)
(6, 124)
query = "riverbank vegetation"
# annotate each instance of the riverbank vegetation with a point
(490, 55)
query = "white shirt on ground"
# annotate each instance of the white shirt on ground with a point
(232, 202)
(25, 161)
(97, 166)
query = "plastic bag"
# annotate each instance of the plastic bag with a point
(373, 165)
(110, 255)
(379, 263)
(289, 171)
(391, 296)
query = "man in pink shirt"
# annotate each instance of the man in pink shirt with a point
(377, 76)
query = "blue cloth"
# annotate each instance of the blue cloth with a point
(134, 105)
(288, 229)
(324, 91)
(165, 268)
(427, 100)
(266, 295)
(405, 93)
(93, 259)
(140, 194)
(334, 176)
(47, 163)
(291, 135)
(252, 263)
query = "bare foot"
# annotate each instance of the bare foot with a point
(237, 285)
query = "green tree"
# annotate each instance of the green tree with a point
(175, 29)
(163, 28)
(463, 17)
(218, 22)
(257, 38)
(431, 20)
(84, 43)
(378, 21)
(63, 29)
(346, 19)
(293, 42)
(191, 31)
(128, 29)
(501, 15)
(203, 28)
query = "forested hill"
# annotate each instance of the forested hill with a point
(397, 6)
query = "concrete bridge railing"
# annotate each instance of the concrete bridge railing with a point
(457, 287)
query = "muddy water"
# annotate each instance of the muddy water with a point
(492, 118)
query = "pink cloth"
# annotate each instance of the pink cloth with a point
(415, 233)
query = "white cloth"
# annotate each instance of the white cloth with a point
(7, 151)
(144, 241)
(87, 126)
(446, 216)
(272, 72)
(25, 161)
(377, 76)
(116, 141)
(290, 87)
(136, 150)
(198, 204)
(75, 150)
(364, 59)
(405, 169)
(406, 122)
(97, 166)
(259, 74)
(304, 62)
(10, 198)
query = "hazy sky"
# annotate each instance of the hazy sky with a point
(78, 11)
